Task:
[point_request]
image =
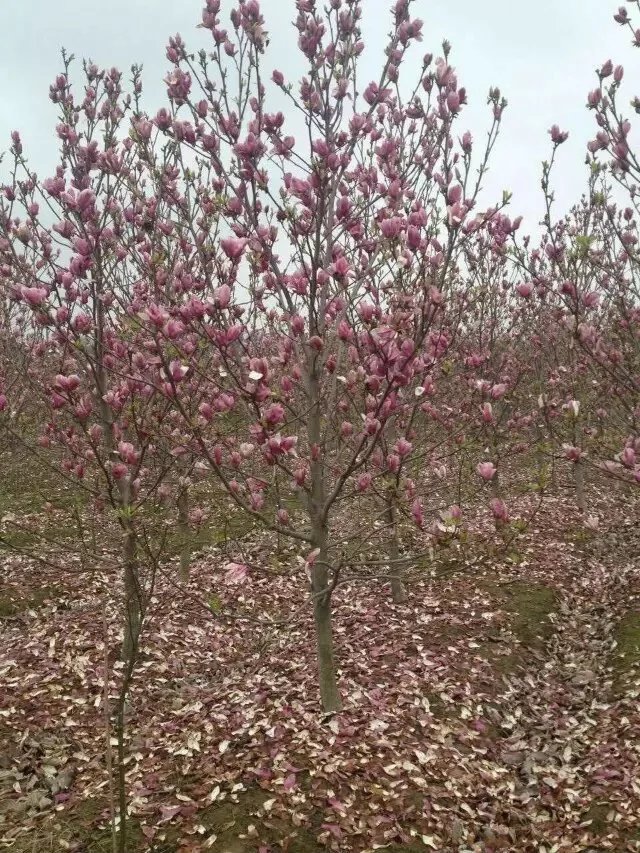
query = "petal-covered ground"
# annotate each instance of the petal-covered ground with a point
(497, 710)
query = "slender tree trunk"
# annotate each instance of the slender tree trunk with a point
(120, 727)
(539, 455)
(496, 491)
(107, 730)
(130, 647)
(578, 479)
(320, 579)
(329, 692)
(132, 588)
(132, 592)
(398, 589)
(578, 468)
(182, 504)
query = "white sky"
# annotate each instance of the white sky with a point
(541, 54)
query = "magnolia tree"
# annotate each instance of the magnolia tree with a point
(303, 353)
(588, 271)
(499, 371)
(69, 249)
(82, 253)
(617, 353)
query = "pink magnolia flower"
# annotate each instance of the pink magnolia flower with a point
(206, 410)
(403, 447)
(391, 227)
(487, 413)
(274, 414)
(67, 383)
(256, 501)
(628, 457)
(297, 325)
(486, 470)
(345, 332)
(233, 247)
(498, 391)
(558, 136)
(573, 454)
(119, 471)
(525, 289)
(235, 573)
(222, 296)
(455, 512)
(499, 509)
(393, 463)
(82, 323)
(127, 452)
(366, 311)
(363, 482)
(35, 296)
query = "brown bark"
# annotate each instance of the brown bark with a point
(182, 504)
(329, 692)
(132, 603)
(398, 589)
(320, 579)
(579, 468)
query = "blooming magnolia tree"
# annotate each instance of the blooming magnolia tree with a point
(82, 254)
(320, 313)
(587, 272)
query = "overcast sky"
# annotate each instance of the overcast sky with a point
(541, 54)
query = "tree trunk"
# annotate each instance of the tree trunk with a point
(329, 692)
(496, 491)
(132, 594)
(578, 467)
(578, 479)
(320, 579)
(184, 534)
(398, 589)
(130, 646)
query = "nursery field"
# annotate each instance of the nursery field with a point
(497, 709)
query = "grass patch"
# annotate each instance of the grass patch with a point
(529, 607)
(12, 602)
(597, 815)
(625, 657)
(230, 820)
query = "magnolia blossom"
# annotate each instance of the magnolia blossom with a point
(525, 289)
(628, 457)
(573, 406)
(403, 447)
(573, 454)
(498, 391)
(486, 470)
(233, 247)
(35, 296)
(363, 482)
(499, 509)
(235, 573)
